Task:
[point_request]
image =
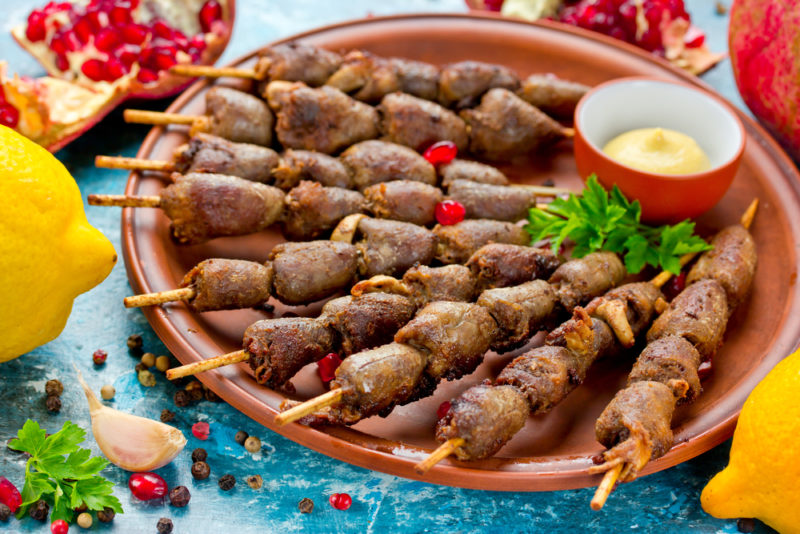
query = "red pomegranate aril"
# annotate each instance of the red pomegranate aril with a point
(180, 40)
(57, 46)
(2, 95)
(9, 494)
(119, 15)
(327, 366)
(201, 430)
(493, 5)
(62, 63)
(134, 34)
(128, 55)
(694, 37)
(209, 13)
(114, 69)
(98, 19)
(443, 409)
(59, 526)
(146, 76)
(340, 501)
(36, 30)
(93, 69)
(165, 58)
(9, 116)
(705, 369)
(83, 30)
(147, 486)
(106, 40)
(161, 29)
(449, 212)
(441, 153)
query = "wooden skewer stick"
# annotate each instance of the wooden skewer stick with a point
(543, 190)
(136, 164)
(213, 72)
(125, 201)
(569, 133)
(207, 365)
(153, 299)
(140, 116)
(310, 406)
(611, 476)
(442, 451)
(606, 487)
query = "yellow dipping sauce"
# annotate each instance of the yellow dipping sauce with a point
(658, 150)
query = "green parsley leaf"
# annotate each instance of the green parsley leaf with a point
(599, 220)
(61, 472)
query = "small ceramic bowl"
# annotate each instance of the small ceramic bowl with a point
(629, 103)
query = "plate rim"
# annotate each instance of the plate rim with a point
(459, 474)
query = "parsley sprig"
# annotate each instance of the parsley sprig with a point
(599, 221)
(61, 472)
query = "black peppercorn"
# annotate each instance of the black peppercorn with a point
(179, 496)
(306, 505)
(199, 455)
(210, 395)
(140, 367)
(5, 512)
(167, 416)
(106, 515)
(746, 524)
(39, 510)
(181, 399)
(135, 342)
(200, 470)
(195, 390)
(164, 525)
(240, 437)
(53, 404)
(53, 388)
(227, 482)
(80, 509)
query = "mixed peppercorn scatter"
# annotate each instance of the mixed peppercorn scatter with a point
(53, 387)
(201, 430)
(252, 444)
(149, 359)
(85, 520)
(167, 416)
(240, 437)
(106, 515)
(40, 510)
(200, 470)
(134, 342)
(162, 363)
(5, 512)
(107, 392)
(227, 482)
(340, 501)
(255, 481)
(199, 455)
(306, 505)
(99, 357)
(53, 404)
(164, 526)
(147, 486)
(59, 526)
(146, 378)
(179, 496)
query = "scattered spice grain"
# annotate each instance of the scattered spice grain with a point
(53, 388)
(85, 520)
(164, 525)
(146, 378)
(162, 363)
(255, 481)
(107, 392)
(252, 444)
(227, 482)
(5, 512)
(53, 404)
(179, 496)
(199, 455)
(134, 342)
(106, 515)
(240, 437)
(306, 505)
(181, 399)
(167, 415)
(149, 359)
(200, 470)
(39, 510)
(99, 357)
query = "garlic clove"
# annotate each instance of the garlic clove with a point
(131, 442)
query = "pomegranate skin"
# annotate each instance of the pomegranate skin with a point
(764, 40)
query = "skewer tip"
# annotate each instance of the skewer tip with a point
(207, 365)
(442, 451)
(606, 487)
(749, 214)
(310, 406)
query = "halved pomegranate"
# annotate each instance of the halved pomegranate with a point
(115, 50)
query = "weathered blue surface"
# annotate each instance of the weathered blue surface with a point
(664, 502)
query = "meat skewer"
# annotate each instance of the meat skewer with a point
(635, 426)
(368, 77)
(447, 340)
(348, 316)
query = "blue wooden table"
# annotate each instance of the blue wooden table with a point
(666, 502)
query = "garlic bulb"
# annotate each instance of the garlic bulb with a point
(131, 442)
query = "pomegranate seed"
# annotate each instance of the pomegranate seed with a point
(493, 5)
(201, 430)
(83, 30)
(146, 486)
(147, 76)
(2, 95)
(443, 409)
(340, 501)
(327, 366)
(134, 34)
(675, 286)
(98, 19)
(62, 63)
(99, 357)
(209, 13)
(114, 69)
(57, 46)
(165, 58)
(162, 29)
(441, 153)
(55, 7)
(9, 116)
(128, 55)
(705, 369)
(93, 69)
(71, 41)
(449, 212)
(106, 40)
(36, 30)
(694, 37)
(119, 16)
(59, 526)
(9, 494)
(180, 40)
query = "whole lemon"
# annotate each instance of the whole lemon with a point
(49, 253)
(762, 479)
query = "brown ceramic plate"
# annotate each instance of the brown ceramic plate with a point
(554, 451)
